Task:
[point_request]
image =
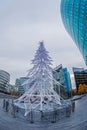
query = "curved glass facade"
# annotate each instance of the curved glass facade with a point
(74, 17)
(4, 79)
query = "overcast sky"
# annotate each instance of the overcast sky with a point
(23, 23)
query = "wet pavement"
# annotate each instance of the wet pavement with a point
(77, 120)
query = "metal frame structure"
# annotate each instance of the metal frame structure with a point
(40, 95)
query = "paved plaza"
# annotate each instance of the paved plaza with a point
(77, 120)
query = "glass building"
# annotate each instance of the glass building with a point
(63, 77)
(80, 76)
(19, 84)
(74, 17)
(4, 80)
(67, 82)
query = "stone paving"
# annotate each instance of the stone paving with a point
(77, 120)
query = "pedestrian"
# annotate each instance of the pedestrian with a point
(4, 103)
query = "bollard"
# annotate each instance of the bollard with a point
(4, 103)
(68, 111)
(13, 110)
(7, 106)
(73, 106)
(31, 117)
(53, 117)
(42, 114)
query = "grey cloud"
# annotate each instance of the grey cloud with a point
(22, 11)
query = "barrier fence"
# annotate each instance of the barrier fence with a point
(38, 116)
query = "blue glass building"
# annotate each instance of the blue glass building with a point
(67, 82)
(19, 84)
(59, 76)
(74, 17)
(63, 77)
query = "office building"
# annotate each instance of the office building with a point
(19, 84)
(74, 17)
(62, 76)
(4, 80)
(67, 82)
(80, 75)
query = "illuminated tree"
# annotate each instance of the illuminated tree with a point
(40, 95)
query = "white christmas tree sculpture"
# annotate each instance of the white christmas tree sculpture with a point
(40, 95)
